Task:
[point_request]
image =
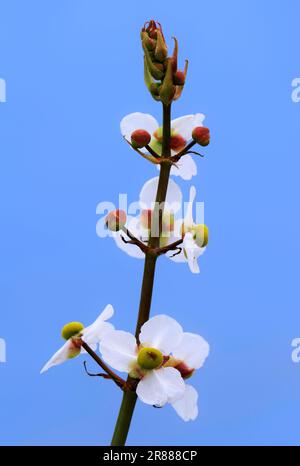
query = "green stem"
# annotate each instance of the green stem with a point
(130, 397)
(124, 419)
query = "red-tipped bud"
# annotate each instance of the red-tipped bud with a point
(115, 220)
(140, 138)
(152, 29)
(149, 43)
(146, 219)
(201, 135)
(177, 142)
(179, 78)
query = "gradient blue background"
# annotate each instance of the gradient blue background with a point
(73, 70)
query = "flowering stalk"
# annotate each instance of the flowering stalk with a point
(129, 398)
(161, 356)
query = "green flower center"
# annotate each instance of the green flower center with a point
(201, 235)
(150, 358)
(71, 329)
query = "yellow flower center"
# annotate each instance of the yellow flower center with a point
(71, 329)
(150, 358)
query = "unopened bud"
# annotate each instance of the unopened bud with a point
(115, 220)
(155, 69)
(167, 90)
(179, 78)
(71, 330)
(177, 142)
(154, 89)
(146, 219)
(150, 358)
(161, 50)
(147, 41)
(201, 135)
(140, 138)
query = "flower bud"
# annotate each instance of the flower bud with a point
(152, 29)
(155, 69)
(140, 138)
(179, 78)
(149, 43)
(177, 142)
(167, 90)
(150, 358)
(201, 135)
(71, 330)
(201, 235)
(146, 219)
(161, 50)
(115, 220)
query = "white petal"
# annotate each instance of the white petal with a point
(118, 349)
(192, 252)
(187, 168)
(133, 225)
(161, 386)
(185, 125)
(107, 313)
(148, 195)
(192, 350)
(187, 406)
(138, 120)
(94, 332)
(161, 332)
(59, 357)
(188, 219)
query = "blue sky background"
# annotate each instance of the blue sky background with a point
(73, 70)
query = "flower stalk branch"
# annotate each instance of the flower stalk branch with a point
(121, 383)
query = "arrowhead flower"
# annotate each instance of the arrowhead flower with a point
(195, 238)
(139, 227)
(162, 358)
(75, 333)
(181, 133)
(144, 361)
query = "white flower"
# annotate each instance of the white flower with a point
(90, 335)
(189, 355)
(135, 225)
(190, 250)
(159, 336)
(181, 133)
(164, 358)
(173, 230)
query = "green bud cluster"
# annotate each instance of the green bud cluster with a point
(162, 78)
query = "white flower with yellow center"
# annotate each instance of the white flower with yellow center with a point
(164, 357)
(140, 225)
(75, 333)
(195, 237)
(181, 133)
(145, 361)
